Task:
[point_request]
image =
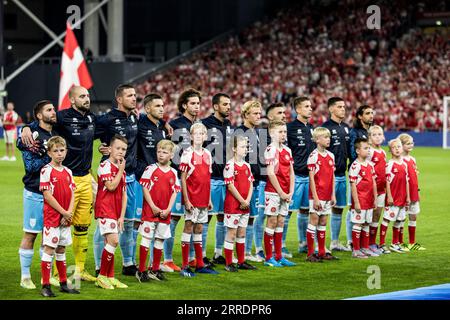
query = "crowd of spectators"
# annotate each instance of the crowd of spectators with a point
(399, 69)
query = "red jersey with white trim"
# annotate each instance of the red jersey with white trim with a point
(161, 183)
(241, 176)
(108, 204)
(60, 183)
(282, 161)
(397, 175)
(362, 175)
(323, 166)
(10, 116)
(413, 180)
(378, 160)
(198, 166)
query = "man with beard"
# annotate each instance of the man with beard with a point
(77, 125)
(123, 121)
(219, 133)
(33, 200)
(363, 121)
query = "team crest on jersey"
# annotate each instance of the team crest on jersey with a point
(54, 180)
(117, 121)
(113, 225)
(132, 118)
(171, 181)
(155, 179)
(363, 173)
(333, 131)
(392, 214)
(55, 240)
(286, 157)
(273, 209)
(395, 170)
(147, 230)
(75, 120)
(330, 162)
(90, 119)
(346, 130)
(358, 217)
(246, 172)
(236, 221)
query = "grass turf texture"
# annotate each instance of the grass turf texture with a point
(329, 280)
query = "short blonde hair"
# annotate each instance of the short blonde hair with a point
(373, 128)
(405, 138)
(198, 126)
(248, 106)
(274, 124)
(392, 141)
(319, 132)
(166, 145)
(56, 140)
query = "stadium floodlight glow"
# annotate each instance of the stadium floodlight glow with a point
(445, 122)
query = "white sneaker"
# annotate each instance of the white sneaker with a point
(396, 248)
(337, 246)
(165, 268)
(253, 258)
(12, 159)
(369, 253)
(358, 254)
(5, 158)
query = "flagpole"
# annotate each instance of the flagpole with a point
(51, 44)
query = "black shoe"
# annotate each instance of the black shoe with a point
(129, 271)
(219, 260)
(313, 258)
(329, 256)
(97, 272)
(245, 266)
(64, 288)
(152, 275)
(47, 292)
(208, 263)
(231, 268)
(160, 275)
(142, 276)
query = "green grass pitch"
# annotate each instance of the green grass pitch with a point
(330, 280)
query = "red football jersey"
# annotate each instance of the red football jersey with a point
(241, 176)
(378, 160)
(282, 161)
(397, 175)
(413, 180)
(323, 168)
(198, 167)
(362, 175)
(60, 183)
(10, 116)
(108, 204)
(161, 183)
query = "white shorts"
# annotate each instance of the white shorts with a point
(394, 213)
(381, 200)
(155, 230)
(10, 136)
(275, 206)
(326, 208)
(365, 216)
(196, 215)
(107, 226)
(234, 221)
(59, 236)
(414, 208)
